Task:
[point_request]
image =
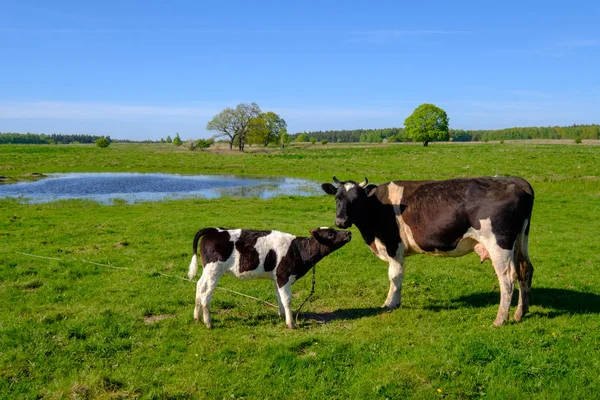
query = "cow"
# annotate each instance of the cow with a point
(252, 254)
(488, 215)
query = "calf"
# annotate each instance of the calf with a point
(249, 254)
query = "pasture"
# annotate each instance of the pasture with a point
(94, 304)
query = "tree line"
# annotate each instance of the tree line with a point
(55, 138)
(349, 136)
(456, 135)
(541, 132)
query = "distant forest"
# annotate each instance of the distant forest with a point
(456, 135)
(33, 138)
(356, 135)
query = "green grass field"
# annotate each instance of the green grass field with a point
(73, 326)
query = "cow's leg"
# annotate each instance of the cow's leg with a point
(198, 302)
(503, 262)
(285, 293)
(524, 271)
(206, 286)
(396, 275)
(279, 303)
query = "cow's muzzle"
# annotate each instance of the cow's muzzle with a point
(343, 223)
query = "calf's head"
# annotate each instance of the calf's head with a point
(350, 200)
(331, 238)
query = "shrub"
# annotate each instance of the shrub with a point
(198, 144)
(313, 140)
(324, 141)
(177, 141)
(501, 141)
(204, 143)
(102, 142)
(303, 137)
(577, 140)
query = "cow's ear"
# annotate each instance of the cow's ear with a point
(312, 232)
(402, 208)
(370, 189)
(329, 189)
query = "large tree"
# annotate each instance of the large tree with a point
(274, 124)
(427, 123)
(265, 128)
(233, 123)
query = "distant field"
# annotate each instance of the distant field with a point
(73, 326)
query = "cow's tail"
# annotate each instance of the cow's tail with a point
(523, 265)
(193, 269)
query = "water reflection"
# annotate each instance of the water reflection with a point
(134, 187)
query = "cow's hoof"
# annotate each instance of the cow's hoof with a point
(498, 322)
(518, 315)
(209, 325)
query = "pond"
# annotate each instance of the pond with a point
(133, 187)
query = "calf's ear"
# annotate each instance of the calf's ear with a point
(370, 189)
(329, 189)
(312, 232)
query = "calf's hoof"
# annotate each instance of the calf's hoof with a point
(390, 307)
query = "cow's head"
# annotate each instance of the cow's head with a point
(350, 200)
(330, 237)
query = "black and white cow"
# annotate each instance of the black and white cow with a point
(249, 254)
(489, 215)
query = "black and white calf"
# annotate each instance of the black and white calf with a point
(249, 254)
(489, 215)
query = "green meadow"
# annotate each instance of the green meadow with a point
(94, 304)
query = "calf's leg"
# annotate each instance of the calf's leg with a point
(205, 288)
(198, 301)
(279, 303)
(285, 293)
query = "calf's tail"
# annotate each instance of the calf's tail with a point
(193, 269)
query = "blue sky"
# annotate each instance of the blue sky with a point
(147, 69)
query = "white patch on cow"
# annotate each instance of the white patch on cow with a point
(408, 238)
(276, 241)
(409, 246)
(482, 237)
(395, 194)
(234, 234)
(382, 252)
(348, 186)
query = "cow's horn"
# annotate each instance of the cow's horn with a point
(336, 180)
(365, 183)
